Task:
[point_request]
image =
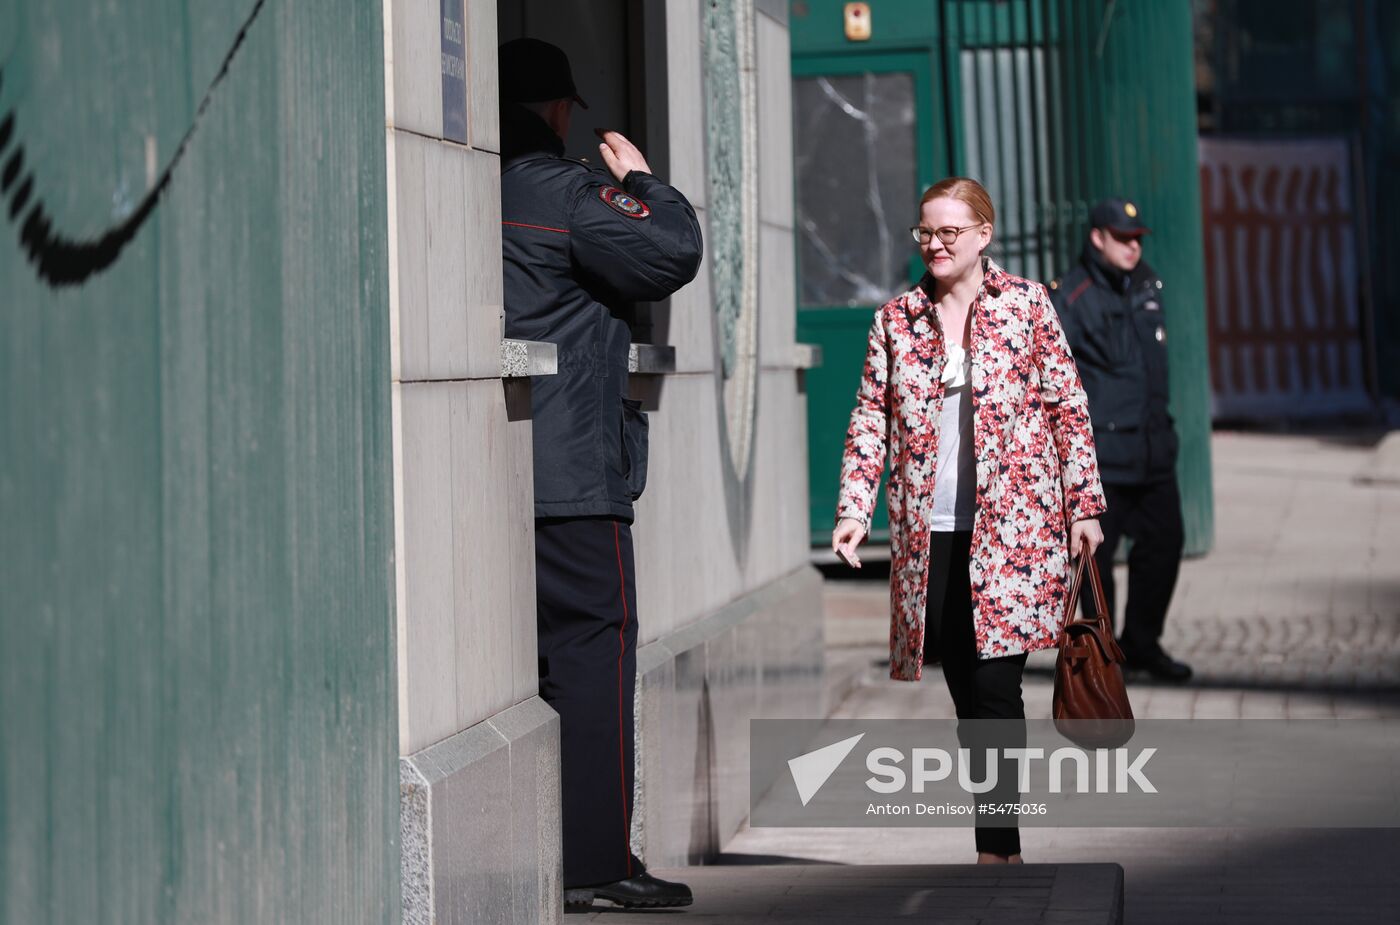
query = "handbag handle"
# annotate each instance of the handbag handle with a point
(1087, 562)
(1102, 619)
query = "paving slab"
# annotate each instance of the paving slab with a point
(1295, 613)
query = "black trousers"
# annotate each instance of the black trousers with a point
(586, 594)
(981, 688)
(1150, 515)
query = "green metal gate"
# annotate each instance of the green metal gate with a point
(1052, 104)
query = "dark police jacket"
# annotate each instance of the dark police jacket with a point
(578, 248)
(1116, 330)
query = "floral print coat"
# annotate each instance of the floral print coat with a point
(1034, 449)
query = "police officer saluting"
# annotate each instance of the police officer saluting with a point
(1110, 306)
(581, 244)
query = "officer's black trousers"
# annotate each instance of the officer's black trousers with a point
(1150, 515)
(586, 592)
(981, 688)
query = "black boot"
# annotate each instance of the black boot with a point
(639, 891)
(1155, 662)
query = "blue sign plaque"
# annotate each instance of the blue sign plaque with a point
(454, 72)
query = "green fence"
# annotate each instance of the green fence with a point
(1053, 104)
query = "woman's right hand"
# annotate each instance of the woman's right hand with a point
(845, 538)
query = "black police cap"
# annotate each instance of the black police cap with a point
(532, 71)
(1118, 215)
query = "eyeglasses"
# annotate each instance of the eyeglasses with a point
(947, 234)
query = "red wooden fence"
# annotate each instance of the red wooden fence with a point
(1282, 278)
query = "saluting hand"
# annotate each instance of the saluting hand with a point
(621, 156)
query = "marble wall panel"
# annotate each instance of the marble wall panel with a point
(690, 327)
(685, 95)
(427, 689)
(751, 652)
(408, 263)
(711, 566)
(793, 657)
(415, 844)
(536, 859)
(471, 829)
(699, 686)
(484, 609)
(734, 701)
(673, 480)
(777, 297)
(689, 822)
(765, 560)
(780, 541)
(792, 526)
(690, 569)
(656, 583)
(519, 538)
(447, 268)
(682, 522)
(467, 628)
(444, 186)
(774, 123)
(483, 110)
(796, 491)
(413, 69)
(654, 698)
(481, 809)
(481, 260)
(777, 10)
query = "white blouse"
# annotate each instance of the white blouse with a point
(955, 480)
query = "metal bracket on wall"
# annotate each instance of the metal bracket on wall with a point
(651, 359)
(806, 356)
(520, 358)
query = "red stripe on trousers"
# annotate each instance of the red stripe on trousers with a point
(621, 744)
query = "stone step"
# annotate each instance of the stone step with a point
(951, 894)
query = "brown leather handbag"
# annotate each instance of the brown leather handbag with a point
(1090, 706)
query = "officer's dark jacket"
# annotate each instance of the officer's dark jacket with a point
(1116, 330)
(574, 256)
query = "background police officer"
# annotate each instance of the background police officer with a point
(1110, 305)
(580, 245)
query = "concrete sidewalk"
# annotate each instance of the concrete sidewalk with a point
(1295, 614)
(767, 894)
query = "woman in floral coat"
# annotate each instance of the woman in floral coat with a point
(970, 390)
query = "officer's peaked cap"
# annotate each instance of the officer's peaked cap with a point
(1119, 215)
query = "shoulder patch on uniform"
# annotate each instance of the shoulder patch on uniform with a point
(630, 206)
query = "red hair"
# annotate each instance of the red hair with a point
(967, 191)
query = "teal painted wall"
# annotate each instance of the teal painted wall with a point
(196, 609)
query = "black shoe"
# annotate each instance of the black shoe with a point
(641, 891)
(1159, 665)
